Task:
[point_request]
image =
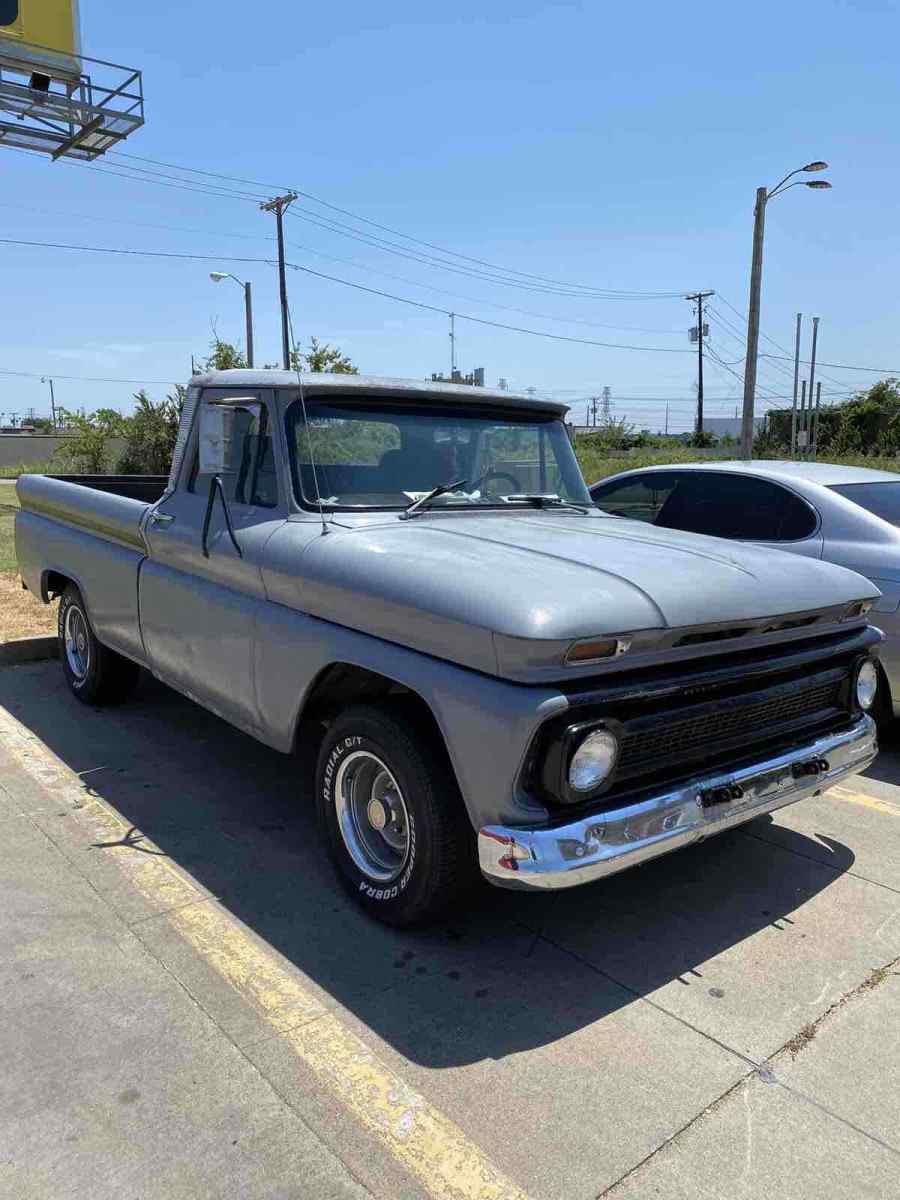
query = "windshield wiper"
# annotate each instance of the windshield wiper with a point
(422, 503)
(545, 500)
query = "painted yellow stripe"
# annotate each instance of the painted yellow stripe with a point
(873, 802)
(428, 1144)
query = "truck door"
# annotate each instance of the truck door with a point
(199, 595)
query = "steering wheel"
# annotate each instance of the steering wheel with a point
(511, 479)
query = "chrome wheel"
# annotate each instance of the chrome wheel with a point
(372, 816)
(78, 642)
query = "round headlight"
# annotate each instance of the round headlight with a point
(593, 761)
(866, 685)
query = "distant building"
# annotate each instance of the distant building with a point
(475, 378)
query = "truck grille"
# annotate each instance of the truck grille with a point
(708, 728)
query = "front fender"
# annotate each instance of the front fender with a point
(487, 724)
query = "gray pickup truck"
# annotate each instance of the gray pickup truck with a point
(406, 586)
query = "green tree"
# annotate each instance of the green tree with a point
(86, 450)
(224, 356)
(150, 434)
(320, 357)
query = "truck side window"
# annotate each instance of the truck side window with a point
(250, 476)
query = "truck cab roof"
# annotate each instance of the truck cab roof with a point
(373, 387)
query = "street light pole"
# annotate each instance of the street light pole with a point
(217, 277)
(759, 228)
(763, 196)
(248, 317)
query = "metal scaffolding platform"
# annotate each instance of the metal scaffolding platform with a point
(76, 114)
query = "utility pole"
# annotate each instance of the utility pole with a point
(815, 426)
(796, 378)
(667, 418)
(698, 298)
(278, 206)
(452, 346)
(46, 379)
(801, 432)
(812, 358)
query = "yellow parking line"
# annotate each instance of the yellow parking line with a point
(428, 1144)
(873, 802)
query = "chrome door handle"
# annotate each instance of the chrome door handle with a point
(160, 518)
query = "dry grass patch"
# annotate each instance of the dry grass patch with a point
(21, 614)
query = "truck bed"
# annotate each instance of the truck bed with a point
(109, 506)
(147, 488)
(87, 528)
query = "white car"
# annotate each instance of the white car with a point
(844, 515)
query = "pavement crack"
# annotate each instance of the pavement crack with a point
(804, 1036)
(679, 1133)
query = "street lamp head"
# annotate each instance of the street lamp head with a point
(218, 276)
(815, 166)
(818, 183)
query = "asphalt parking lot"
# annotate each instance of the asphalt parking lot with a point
(190, 1007)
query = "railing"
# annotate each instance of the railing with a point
(66, 105)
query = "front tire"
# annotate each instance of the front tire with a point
(94, 673)
(392, 818)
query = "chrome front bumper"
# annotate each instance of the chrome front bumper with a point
(611, 841)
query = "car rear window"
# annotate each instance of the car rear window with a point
(882, 499)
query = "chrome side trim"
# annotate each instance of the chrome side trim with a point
(600, 845)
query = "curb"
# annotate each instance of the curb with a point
(30, 649)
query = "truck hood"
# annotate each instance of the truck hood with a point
(473, 587)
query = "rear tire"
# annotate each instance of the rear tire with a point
(392, 818)
(94, 673)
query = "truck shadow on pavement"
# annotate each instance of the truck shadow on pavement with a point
(516, 972)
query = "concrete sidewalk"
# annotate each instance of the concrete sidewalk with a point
(191, 1007)
(115, 1081)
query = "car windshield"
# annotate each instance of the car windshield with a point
(387, 455)
(882, 499)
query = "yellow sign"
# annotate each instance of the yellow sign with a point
(42, 33)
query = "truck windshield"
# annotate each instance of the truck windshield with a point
(882, 499)
(386, 455)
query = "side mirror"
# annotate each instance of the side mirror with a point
(216, 455)
(217, 424)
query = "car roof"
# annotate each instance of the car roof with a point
(374, 387)
(825, 474)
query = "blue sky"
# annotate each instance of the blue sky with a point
(615, 146)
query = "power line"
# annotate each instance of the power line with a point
(557, 337)
(267, 187)
(508, 276)
(845, 366)
(351, 262)
(346, 283)
(382, 244)
(87, 378)
(788, 356)
(137, 253)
